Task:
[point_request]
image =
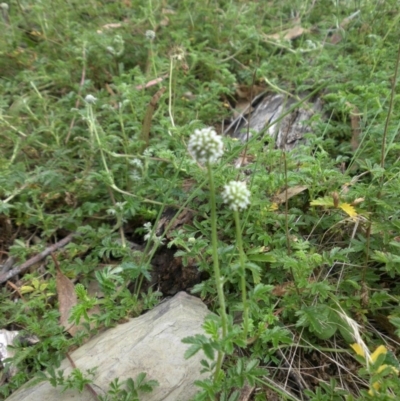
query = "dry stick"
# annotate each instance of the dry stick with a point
(151, 83)
(42, 255)
(87, 385)
(248, 124)
(148, 117)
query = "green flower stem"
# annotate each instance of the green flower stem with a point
(242, 260)
(217, 274)
(93, 130)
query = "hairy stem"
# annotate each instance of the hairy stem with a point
(242, 260)
(217, 274)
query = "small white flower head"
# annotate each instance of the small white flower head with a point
(206, 146)
(90, 99)
(111, 50)
(136, 163)
(137, 169)
(150, 236)
(310, 44)
(118, 46)
(150, 35)
(4, 6)
(120, 206)
(236, 195)
(148, 227)
(118, 209)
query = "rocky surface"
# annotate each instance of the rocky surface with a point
(277, 115)
(150, 343)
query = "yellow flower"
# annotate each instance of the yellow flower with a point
(379, 351)
(376, 386)
(359, 350)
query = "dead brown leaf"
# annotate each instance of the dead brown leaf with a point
(293, 191)
(337, 36)
(67, 299)
(112, 25)
(246, 392)
(288, 34)
(280, 290)
(245, 95)
(168, 11)
(247, 92)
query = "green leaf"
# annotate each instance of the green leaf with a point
(208, 351)
(317, 319)
(140, 379)
(255, 270)
(252, 364)
(328, 331)
(324, 201)
(192, 350)
(262, 257)
(234, 396)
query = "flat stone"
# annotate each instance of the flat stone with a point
(287, 126)
(150, 343)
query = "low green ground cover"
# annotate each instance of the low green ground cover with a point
(99, 102)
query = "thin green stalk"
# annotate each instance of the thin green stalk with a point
(389, 114)
(289, 248)
(242, 260)
(214, 240)
(95, 136)
(217, 273)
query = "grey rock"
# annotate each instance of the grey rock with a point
(273, 114)
(150, 343)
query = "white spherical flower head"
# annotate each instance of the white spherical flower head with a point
(90, 99)
(236, 195)
(206, 146)
(150, 35)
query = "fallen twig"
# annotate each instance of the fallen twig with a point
(37, 258)
(151, 83)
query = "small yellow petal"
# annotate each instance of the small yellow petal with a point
(379, 351)
(392, 368)
(375, 388)
(358, 349)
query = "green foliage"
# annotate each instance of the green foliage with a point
(127, 390)
(133, 390)
(308, 274)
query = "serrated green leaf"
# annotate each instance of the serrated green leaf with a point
(208, 351)
(192, 350)
(252, 364)
(255, 270)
